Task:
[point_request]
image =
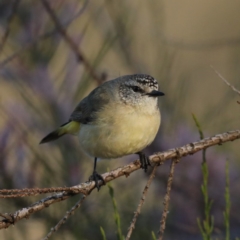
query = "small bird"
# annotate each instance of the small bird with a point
(118, 118)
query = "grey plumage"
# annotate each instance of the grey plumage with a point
(117, 89)
(118, 118)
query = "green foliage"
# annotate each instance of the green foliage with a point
(226, 213)
(103, 233)
(198, 126)
(116, 214)
(201, 135)
(206, 227)
(153, 236)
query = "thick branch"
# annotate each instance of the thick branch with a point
(87, 187)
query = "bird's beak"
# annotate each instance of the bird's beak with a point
(155, 93)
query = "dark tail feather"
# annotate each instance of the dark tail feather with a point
(71, 127)
(53, 136)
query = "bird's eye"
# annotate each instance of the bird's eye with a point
(137, 89)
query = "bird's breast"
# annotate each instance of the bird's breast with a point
(119, 131)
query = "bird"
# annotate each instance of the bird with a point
(118, 118)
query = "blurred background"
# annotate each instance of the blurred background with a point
(41, 82)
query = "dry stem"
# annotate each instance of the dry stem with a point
(26, 192)
(64, 219)
(167, 199)
(231, 86)
(144, 194)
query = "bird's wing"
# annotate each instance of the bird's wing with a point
(86, 110)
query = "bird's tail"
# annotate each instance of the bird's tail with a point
(70, 127)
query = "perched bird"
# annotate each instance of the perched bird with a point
(120, 117)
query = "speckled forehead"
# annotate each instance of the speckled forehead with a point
(147, 80)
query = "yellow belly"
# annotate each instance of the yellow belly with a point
(121, 133)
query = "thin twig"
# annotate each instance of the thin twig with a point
(71, 43)
(126, 170)
(9, 20)
(42, 37)
(231, 86)
(64, 219)
(167, 199)
(13, 193)
(144, 194)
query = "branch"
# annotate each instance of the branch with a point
(26, 192)
(64, 219)
(71, 43)
(232, 87)
(87, 187)
(167, 199)
(144, 194)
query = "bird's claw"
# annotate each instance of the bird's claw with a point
(96, 177)
(145, 162)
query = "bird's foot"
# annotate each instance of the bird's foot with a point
(144, 160)
(96, 177)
